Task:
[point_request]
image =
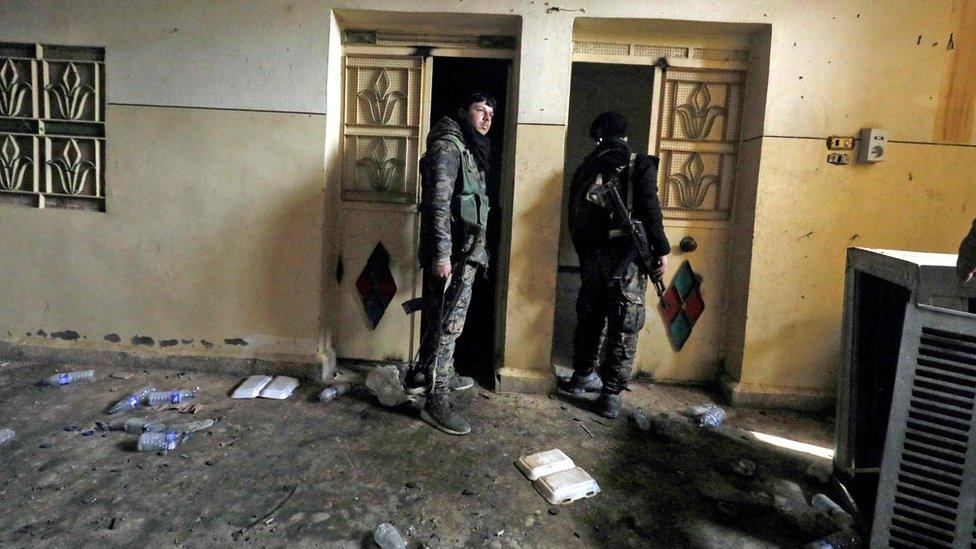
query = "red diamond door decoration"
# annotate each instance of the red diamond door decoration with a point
(682, 305)
(375, 285)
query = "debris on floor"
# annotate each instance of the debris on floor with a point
(251, 387)
(567, 486)
(68, 378)
(280, 388)
(387, 536)
(544, 463)
(556, 477)
(386, 383)
(6, 435)
(707, 415)
(132, 401)
(156, 398)
(359, 465)
(333, 392)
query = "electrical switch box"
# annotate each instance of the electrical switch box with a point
(873, 146)
(839, 159)
(840, 143)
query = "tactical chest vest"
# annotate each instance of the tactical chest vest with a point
(471, 202)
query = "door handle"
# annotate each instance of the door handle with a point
(688, 244)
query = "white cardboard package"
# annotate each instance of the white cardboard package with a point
(567, 486)
(251, 387)
(544, 463)
(280, 388)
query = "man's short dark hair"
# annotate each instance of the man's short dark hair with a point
(478, 97)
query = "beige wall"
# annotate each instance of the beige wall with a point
(214, 224)
(212, 232)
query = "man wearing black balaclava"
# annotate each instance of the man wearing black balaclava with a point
(606, 301)
(453, 219)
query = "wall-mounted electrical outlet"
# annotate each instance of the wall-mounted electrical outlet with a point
(840, 143)
(839, 158)
(873, 145)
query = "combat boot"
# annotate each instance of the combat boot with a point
(439, 412)
(608, 405)
(577, 385)
(460, 383)
(416, 383)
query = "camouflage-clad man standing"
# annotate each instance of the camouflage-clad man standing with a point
(453, 219)
(611, 295)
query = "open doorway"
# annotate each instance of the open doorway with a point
(590, 94)
(452, 78)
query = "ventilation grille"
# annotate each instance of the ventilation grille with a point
(600, 48)
(925, 497)
(720, 54)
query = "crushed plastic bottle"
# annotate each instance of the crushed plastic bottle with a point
(388, 537)
(333, 392)
(707, 415)
(169, 397)
(69, 377)
(6, 435)
(844, 539)
(191, 427)
(842, 518)
(138, 426)
(158, 442)
(132, 401)
(640, 418)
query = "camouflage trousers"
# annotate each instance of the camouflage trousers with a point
(446, 309)
(614, 307)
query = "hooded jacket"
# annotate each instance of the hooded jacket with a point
(589, 224)
(443, 192)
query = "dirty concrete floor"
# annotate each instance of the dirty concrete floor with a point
(303, 473)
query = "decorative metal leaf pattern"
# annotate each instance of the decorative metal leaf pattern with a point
(13, 166)
(380, 168)
(12, 89)
(380, 99)
(691, 185)
(71, 169)
(70, 94)
(698, 115)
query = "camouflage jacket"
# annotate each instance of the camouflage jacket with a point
(442, 232)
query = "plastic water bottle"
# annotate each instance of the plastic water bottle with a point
(333, 392)
(844, 539)
(69, 377)
(843, 519)
(132, 401)
(169, 397)
(6, 435)
(138, 426)
(712, 417)
(387, 537)
(158, 442)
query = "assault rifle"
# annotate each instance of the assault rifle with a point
(633, 228)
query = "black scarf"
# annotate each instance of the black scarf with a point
(479, 145)
(609, 155)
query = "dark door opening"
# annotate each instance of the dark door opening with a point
(594, 88)
(453, 78)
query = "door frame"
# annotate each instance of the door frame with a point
(428, 54)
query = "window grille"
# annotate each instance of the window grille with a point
(52, 126)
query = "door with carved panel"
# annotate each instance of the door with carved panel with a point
(698, 116)
(383, 125)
